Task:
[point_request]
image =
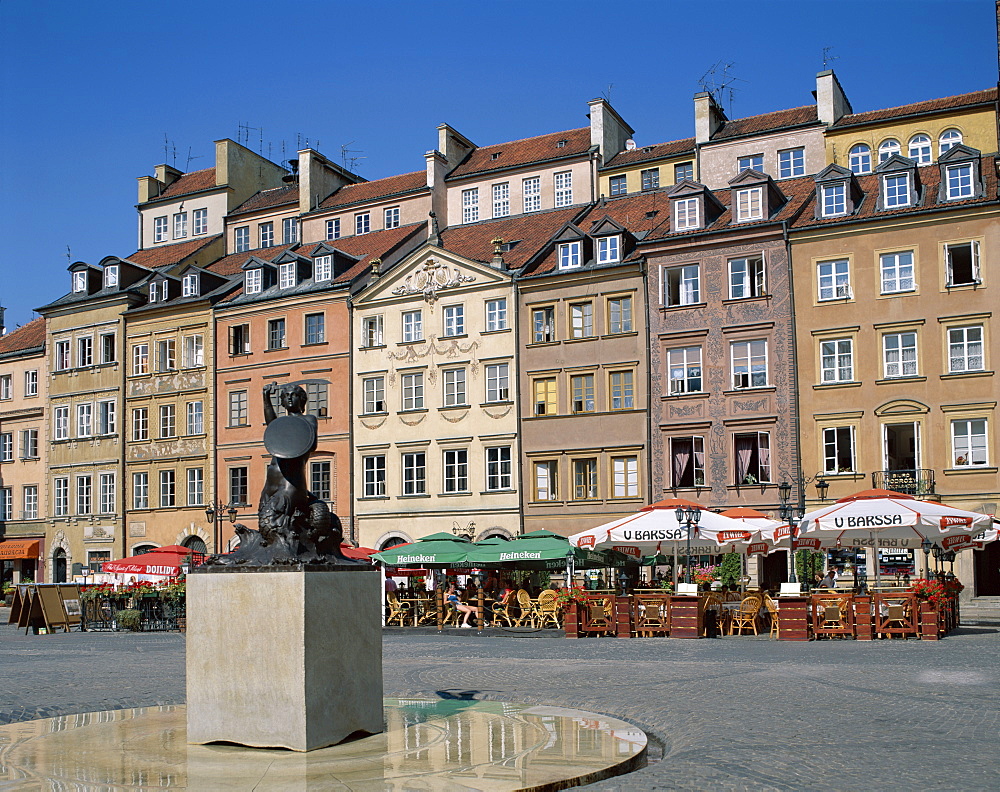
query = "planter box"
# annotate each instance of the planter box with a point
(930, 622)
(571, 621)
(864, 619)
(793, 619)
(687, 617)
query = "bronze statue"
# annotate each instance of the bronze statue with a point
(293, 525)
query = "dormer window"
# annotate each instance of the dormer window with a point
(569, 255)
(154, 292)
(110, 276)
(896, 190)
(190, 286)
(79, 281)
(322, 268)
(286, 275)
(253, 281)
(686, 214)
(833, 199)
(959, 180)
(886, 149)
(750, 204)
(609, 249)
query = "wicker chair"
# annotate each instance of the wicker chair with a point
(772, 614)
(502, 609)
(529, 610)
(398, 611)
(746, 616)
(548, 611)
(599, 615)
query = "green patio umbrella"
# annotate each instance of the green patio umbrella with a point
(539, 550)
(440, 550)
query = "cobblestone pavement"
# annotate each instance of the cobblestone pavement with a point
(737, 713)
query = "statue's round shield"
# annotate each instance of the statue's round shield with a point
(288, 437)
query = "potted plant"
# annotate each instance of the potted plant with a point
(704, 575)
(129, 619)
(8, 594)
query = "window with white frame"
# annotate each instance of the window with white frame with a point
(29, 444)
(241, 239)
(582, 392)
(193, 352)
(454, 320)
(140, 490)
(531, 191)
(919, 149)
(390, 217)
(62, 359)
(746, 277)
(239, 339)
(498, 382)
(414, 465)
(84, 352)
(30, 502)
(320, 479)
(682, 171)
(160, 233)
(108, 348)
(195, 418)
(838, 450)
(968, 442)
(791, 162)
(84, 494)
(569, 255)
(619, 315)
(959, 181)
(60, 491)
(266, 234)
(454, 387)
(686, 215)
(180, 225)
(166, 354)
(625, 477)
(833, 199)
(749, 204)
(752, 454)
(168, 488)
(649, 178)
(501, 199)
(374, 394)
(545, 396)
(108, 493)
(886, 149)
(315, 330)
(897, 272)
(563, 183)
(456, 470)
(290, 230)
(899, 355)
(362, 223)
(751, 162)
(333, 228)
(546, 479)
(84, 420)
(413, 391)
(962, 263)
(6, 446)
(239, 486)
(6, 503)
(948, 139)
(6, 387)
(836, 357)
(107, 417)
(79, 282)
(413, 326)
(470, 205)
(618, 185)
(158, 291)
(317, 398)
(621, 387)
(609, 249)
(286, 275)
(110, 276)
(498, 468)
(168, 420)
(253, 281)
(749, 363)
(543, 324)
(585, 479)
(681, 285)
(896, 190)
(371, 331)
(276, 336)
(140, 423)
(189, 285)
(195, 486)
(581, 320)
(834, 279)
(323, 268)
(238, 408)
(684, 368)
(496, 315)
(965, 349)
(860, 159)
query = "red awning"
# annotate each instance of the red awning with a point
(18, 548)
(165, 564)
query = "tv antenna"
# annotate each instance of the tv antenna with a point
(606, 93)
(720, 83)
(827, 57)
(187, 165)
(350, 162)
(69, 256)
(169, 150)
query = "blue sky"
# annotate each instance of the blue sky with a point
(90, 90)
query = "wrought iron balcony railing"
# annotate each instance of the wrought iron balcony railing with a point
(918, 482)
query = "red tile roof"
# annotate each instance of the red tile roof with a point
(373, 190)
(268, 199)
(648, 153)
(530, 232)
(29, 336)
(768, 122)
(524, 152)
(233, 263)
(165, 255)
(192, 182)
(918, 108)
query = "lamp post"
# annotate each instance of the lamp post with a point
(569, 566)
(822, 485)
(936, 551)
(925, 545)
(787, 512)
(689, 517)
(216, 512)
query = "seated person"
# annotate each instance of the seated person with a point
(830, 581)
(451, 595)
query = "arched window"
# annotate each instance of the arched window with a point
(392, 541)
(949, 138)
(920, 149)
(139, 549)
(861, 158)
(886, 149)
(195, 543)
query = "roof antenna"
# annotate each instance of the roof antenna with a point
(69, 256)
(344, 151)
(719, 82)
(828, 58)
(606, 93)
(187, 165)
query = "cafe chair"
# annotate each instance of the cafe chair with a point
(772, 614)
(529, 611)
(398, 611)
(746, 616)
(547, 611)
(599, 615)
(452, 615)
(650, 616)
(502, 610)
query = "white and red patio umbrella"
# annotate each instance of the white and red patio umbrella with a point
(762, 525)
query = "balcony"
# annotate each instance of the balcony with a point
(918, 483)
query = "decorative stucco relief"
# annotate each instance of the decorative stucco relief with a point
(161, 449)
(167, 383)
(429, 353)
(432, 277)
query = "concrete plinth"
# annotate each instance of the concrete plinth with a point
(283, 659)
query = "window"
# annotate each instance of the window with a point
(317, 398)
(746, 278)
(581, 320)
(791, 162)
(838, 449)
(266, 234)
(498, 382)
(920, 149)
(749, 364)
(584, 479)
(107, 417)
(833, 199)
(749, 204)
(166, 354)
(62, 355)
(29, 444)
(239, 339)
(456, 470)
(886, 149)
(253, 281)
(546, 479)
(315, 328)
(199, 218)
(194, 351)
(683, 170)
(896, 190)
(618, 185)
(160, 229)
(239, 486)
(290, 230)
(681, 285)
(965, 349)
(752, 162)
(899, 354)
(619, 315)
(241, 239)
(6, 387)
(963, 264)
(470, 205)
(413, 326)
(563, 183)
(61, 496)
(753, 458)
(333, 228)
(6, 503)
(362, 223)
(959, 180)
(501, 199)
(968, 442)
(140, 490)
(374, 394)
(531, 190)
(391, 217)
(834, 279)
(454, 320)
(168, 488)
(625, 477)
(276, 334)
(545, 396)
(498, 468)
(286, 275)
(684, 365)
(180, 225)
(413, 391)
(622, 390)
(195, 421)
(108, 348)
(543, 322)
(582, 389)
(158, 291)
(195, 486)
(948, 139)
(84, 352)
(84, 420)
(650, 178)
(454, 387)
(371, 331)
(860, 159)
(79, 281)
(609, 249)
(83, 494)
(7, 447)
(30, 502)
(168, 420)
(323, 268)
(686, 214)
(496, 315)
(897, 272)
(110, 275)
(140, 423)
(320, 480)
(569, 255)
(238, 409)
(837, 360)
(189, 285)
(107, 494)
(414, 473)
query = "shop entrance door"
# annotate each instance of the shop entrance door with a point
(987, 567)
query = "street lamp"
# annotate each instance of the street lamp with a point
(688, 517)
(925, 545)
(936, 551)
(570, 559)
(822, 485)
(787, 512)
(216, 513)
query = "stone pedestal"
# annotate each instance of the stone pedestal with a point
(283, 659)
